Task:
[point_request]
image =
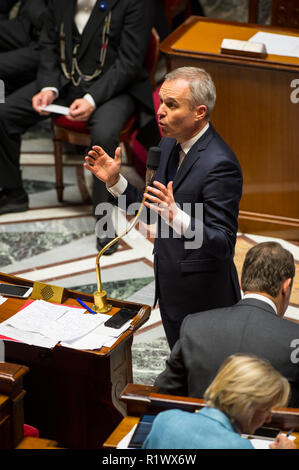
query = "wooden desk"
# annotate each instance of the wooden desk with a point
(73, 395)
(254, 114)
(142, 399)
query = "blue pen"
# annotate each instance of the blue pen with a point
(85, 306)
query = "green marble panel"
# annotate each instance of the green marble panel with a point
(121, 289)
(17, 246)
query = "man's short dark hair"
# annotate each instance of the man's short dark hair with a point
(265, 268)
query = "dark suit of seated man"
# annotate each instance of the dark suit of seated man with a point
(254, 325)
(19, 35)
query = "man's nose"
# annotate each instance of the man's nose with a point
(161, 110)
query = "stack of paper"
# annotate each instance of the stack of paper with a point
(278, 44)
(44, 324)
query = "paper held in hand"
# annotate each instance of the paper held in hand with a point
(56, 108)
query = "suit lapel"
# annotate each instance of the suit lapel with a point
(192, 156)
(69, 7)
(95, 20)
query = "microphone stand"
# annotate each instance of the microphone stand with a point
(100, 296)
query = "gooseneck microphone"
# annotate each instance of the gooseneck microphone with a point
(152, 163)
(100, 296)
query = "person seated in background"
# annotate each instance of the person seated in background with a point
(19, 35)
(92, 61)
(238, 401)
(254, 325)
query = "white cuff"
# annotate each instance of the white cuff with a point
(51, 88)
(181, 222)
(90, 99)
(119, 188)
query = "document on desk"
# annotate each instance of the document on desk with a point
(278, 44)
(43, 323)
(99, 337)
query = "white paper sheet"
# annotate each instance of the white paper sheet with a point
(124, 443)
(278, 44)
(56, 108)
(34, 339)
(100, 336)
(45, 324)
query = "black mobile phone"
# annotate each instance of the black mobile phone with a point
(10, 290)
(267, 432)
(120, 318)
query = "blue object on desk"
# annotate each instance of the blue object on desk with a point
(85, 306)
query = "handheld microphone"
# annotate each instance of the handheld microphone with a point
(152, 163)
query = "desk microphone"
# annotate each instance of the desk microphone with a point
(100, 296)
(152, 163)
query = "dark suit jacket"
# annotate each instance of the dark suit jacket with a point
(123, 70)
(207, 338)
(194, 279)
(22, 29)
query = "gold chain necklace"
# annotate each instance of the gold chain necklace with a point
(75, 65)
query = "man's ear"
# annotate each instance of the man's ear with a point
(286, 285)
(201, 112)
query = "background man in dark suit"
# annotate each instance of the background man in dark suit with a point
(190, 276)
(92, 55)
(254, 325)
(19, 54)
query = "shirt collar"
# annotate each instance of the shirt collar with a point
(263, 298)
(186, 146)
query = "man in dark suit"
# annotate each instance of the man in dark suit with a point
(254, 325)
(194, 245)
(92, 55)
(19, 54)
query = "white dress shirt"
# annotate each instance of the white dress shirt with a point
(83, 11)
(261, 297)
(181, 221)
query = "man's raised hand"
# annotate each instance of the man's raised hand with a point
(105, 168)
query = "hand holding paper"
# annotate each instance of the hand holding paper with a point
(41, 100)
(55, 108)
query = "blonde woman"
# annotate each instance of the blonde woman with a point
(238, 401)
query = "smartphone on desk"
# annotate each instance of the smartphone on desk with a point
(120, 318)
(11, 290)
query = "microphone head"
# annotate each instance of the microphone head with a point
(153, 158)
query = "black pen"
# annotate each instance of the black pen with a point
(289, 432)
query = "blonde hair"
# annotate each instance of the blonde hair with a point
(245, 383)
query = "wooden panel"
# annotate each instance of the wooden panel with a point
(255, 115)
(144, 399)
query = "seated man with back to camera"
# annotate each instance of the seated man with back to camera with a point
(254, 325)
